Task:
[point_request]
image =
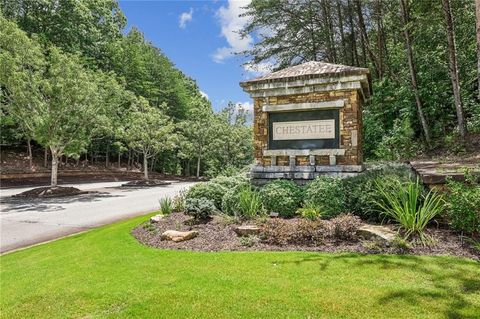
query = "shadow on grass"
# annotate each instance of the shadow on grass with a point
(449, 279)
(17, 204)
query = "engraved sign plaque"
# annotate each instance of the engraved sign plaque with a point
(303, 130)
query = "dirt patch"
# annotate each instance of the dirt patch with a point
(218, 235)
(146, 183)
(47, 192)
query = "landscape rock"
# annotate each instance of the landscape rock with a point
(156, 218)
(247, 230)
(377, 232)
(178, 236)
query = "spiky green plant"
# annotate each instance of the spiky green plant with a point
(405, 204)
(310, 211)
(249, 203)
(166, 206)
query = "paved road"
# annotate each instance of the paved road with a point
(25, 222)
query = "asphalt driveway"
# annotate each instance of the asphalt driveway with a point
(24, 222)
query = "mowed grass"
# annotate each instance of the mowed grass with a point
(106, 273)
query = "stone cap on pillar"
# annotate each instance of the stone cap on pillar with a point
(310, 77)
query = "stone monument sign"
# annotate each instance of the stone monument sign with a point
(308, 121)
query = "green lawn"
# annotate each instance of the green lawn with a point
(105, 273)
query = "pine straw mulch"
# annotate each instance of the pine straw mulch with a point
(218, 235)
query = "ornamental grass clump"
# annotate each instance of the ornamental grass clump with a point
(310, 211)
(405, 204)
(166, 206)
(249, 203)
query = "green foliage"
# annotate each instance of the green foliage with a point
(166, 206)
(310, 212)
(327, 194)
(209, 190)
(463, 206)
(178, 201)
(281, 196)
(199, 208)
(399, 143)
(363, 193)
(230, 182)
(249, 203)
(405, 204)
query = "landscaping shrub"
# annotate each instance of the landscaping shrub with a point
(230, 201)
(178, 201)
(463, 207)
(345, 226)
(362, 193)
(403, 203)
(310, 212)
(282, 197)
(209, 190)
(327, 194)
(230, 182)
(199, 208)
(166, 206)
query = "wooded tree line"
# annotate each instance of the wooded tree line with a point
(72, 82)
(424, 58)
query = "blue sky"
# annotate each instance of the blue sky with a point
(199, 37)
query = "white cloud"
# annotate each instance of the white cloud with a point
(231, 23)
(205, 95)
(184, 18)
(246, 106)
(258, 69)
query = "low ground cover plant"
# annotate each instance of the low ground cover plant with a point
(463, 206)
(310, 232)
(199, 208)
(281, 196)
(328, 194)
(405, 204)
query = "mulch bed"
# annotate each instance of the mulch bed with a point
(47, 192)
(146, 183)
(218, 235)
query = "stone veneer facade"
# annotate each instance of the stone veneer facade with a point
(350, 127)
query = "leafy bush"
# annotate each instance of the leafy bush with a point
(209, 190)
(249, 203)
(199, 208)
(403, 203)
(463, 207)
(282, 197)
(166, 206)
(230, 201)
(363, 193)
(231, 181)
(310, 212)
(345, 226)
(399, 142)
(178, 201)
(327, 194)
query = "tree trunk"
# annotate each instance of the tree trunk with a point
(404, 11)
(45, 158)
(106, 156)
(353, 38)
(30, 159)
(129, 160)
(365, 41)
(198, 166)
(119, 159)
(54, 173)
(145, 166)
(477, 10)
(453, 68)
(342, 33)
